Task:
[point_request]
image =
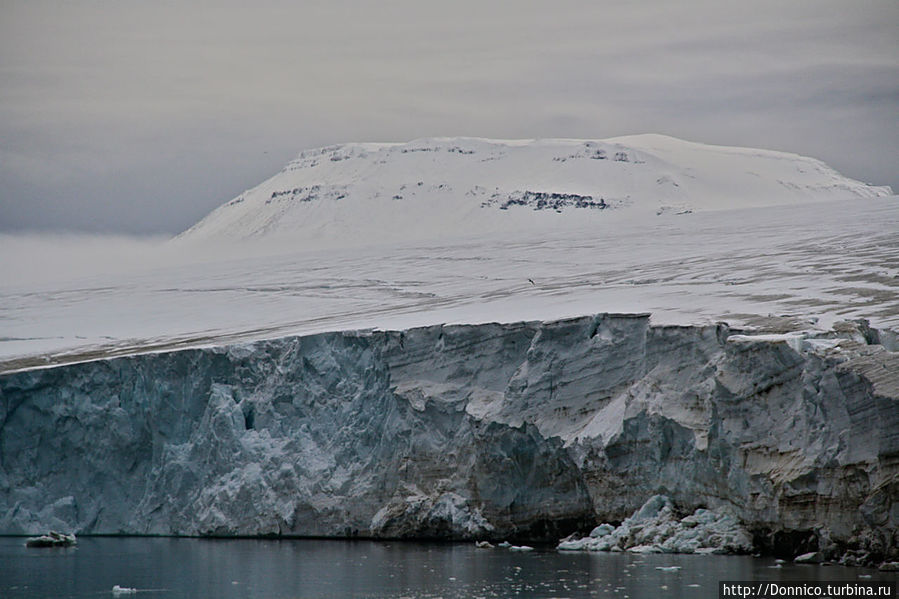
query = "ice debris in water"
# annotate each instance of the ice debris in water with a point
(655, 528)
(118, 590)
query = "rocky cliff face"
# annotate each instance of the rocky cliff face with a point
(529, 429)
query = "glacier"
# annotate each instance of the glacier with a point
(389, 341)
(527, 430)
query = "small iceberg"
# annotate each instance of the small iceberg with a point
(521, 548)
(657, 528)
(813, 557)
(51, 539)
(117, 590)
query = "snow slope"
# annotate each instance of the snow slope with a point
(356, 194)
(260, 267)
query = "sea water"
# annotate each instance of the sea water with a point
(170, 568)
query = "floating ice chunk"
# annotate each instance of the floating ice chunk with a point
(520, 548)
(654, 528)
(645, 549)
(576, 545)
(117, 590)
(813, 557)
(668, 568)
(52, 539)
(601, 530)
(709, 550)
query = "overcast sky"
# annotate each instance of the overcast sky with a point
(139, 117)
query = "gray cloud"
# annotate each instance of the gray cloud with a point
(140, 117)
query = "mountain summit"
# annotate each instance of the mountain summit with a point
(360, 193)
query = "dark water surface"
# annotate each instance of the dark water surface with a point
(198, 568)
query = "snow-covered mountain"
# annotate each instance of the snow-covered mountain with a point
(359, 193)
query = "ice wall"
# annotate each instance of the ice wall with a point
(528, 429)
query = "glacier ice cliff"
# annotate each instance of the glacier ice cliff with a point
(524, 430)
